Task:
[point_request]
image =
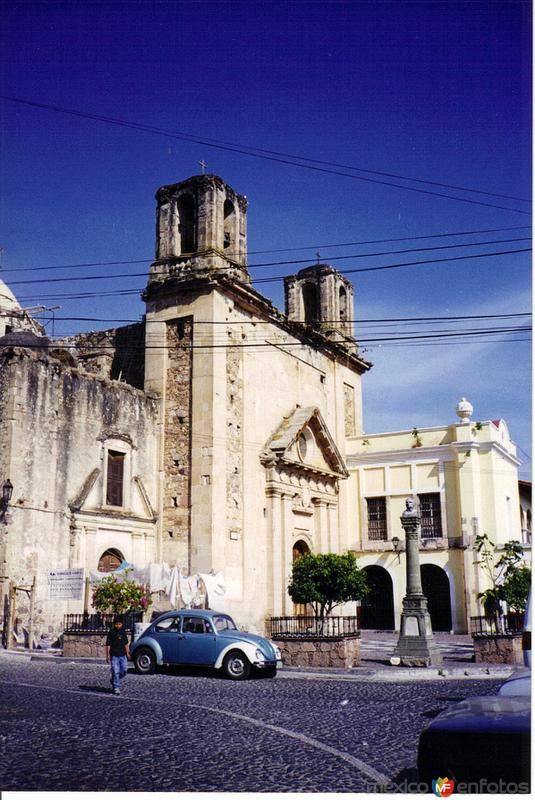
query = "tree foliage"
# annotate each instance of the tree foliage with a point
(510, 578)
(114, 596)
(326, 580)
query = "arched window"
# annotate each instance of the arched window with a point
(110, 560)
(186, 223)
(228, 229)
(310, 303)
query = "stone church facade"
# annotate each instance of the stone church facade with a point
(210, 436)
(217, 434)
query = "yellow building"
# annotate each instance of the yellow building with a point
(464, 478)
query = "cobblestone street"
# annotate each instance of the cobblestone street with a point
(62, 730)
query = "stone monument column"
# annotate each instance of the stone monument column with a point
(416, 646)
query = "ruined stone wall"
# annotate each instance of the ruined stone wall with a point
(117, 353)
(52, 434)
(177, 443)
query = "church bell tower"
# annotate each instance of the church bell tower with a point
(201, 228)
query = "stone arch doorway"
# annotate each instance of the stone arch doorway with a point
(110, 560)
(377, 607)
(436, 587)
(299, 549)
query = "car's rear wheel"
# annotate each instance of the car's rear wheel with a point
(144, 661)
(236, 666)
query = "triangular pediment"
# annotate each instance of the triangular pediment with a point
(303, 439)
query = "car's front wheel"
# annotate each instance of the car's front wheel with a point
(144, 661)
(269, 672)
(236, 666)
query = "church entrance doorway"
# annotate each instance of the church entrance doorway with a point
(299, 549)
(110, 560)
(436, 587)
(377, 607)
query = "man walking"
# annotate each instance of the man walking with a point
(117, 652)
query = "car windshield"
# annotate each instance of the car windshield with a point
(224, 623)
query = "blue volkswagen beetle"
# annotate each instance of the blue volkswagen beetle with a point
(203, 638)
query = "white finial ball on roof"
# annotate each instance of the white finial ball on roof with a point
(464, 409)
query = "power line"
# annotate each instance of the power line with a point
(281, 158)
(285, 343)
(269, 321)
(304, 260)
(413, 263)
(271, 280)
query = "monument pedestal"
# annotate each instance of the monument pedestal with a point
(416, 646)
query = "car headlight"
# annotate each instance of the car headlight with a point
(277, 651)
(259, 655)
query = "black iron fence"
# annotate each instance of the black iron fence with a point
(98, 623)
(301, 626)
(496, 625)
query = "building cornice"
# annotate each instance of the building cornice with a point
(441, 453)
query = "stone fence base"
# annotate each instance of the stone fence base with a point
(317, 652)
(499, 649)
(84, 645)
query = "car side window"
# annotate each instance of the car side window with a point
(196, 625)
(168, 625)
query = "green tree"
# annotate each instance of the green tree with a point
(516, 588)
(509, 577)
(326, 580)
(113, 596)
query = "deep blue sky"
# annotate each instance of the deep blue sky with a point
(438, 91)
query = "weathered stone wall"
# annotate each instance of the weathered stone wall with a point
(84, 645)
(54, 425)
(342, 653)
(234, 434)
(177, 443)
(117, 354)
(506, 649)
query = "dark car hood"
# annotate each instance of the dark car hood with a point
(486, 714)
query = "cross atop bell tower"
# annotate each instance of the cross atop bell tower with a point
(201, 227)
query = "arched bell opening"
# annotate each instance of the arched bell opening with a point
(229, 216)
(186, 223)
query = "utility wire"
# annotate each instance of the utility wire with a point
(271, 280)
(284, 343)
(280, 158)
(269, 321)
(302, 260)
